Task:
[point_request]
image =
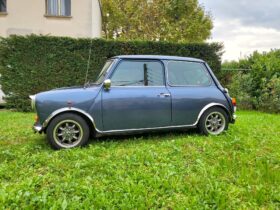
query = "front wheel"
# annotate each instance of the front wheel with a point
(68, 131)
(214, 121)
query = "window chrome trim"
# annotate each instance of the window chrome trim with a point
(206, 70)
(138, 86)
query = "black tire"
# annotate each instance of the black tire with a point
(206, 123)
(68, 131)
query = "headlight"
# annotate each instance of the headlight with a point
(33, 100)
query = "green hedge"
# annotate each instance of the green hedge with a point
(259, 86)
(32, 64)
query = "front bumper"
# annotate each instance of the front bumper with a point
(38, 128)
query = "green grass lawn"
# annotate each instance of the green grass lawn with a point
(237, 170)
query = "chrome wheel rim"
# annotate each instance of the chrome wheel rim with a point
(68, 133)
(215, 123)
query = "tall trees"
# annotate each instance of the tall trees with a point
(164, 20)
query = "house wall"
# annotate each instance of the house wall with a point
(28, 16)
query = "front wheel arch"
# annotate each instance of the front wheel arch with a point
(89, 121)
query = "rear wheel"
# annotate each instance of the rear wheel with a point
(214, 121)
(68, 131)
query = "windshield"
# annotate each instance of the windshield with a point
(104, 72)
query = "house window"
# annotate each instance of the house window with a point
(3, 6)
(58, 7)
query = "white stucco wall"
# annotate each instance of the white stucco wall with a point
(28, 16)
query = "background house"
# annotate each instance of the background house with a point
(71, 18)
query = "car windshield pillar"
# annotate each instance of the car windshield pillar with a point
(104, 72)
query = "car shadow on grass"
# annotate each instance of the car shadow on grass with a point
(147, 136)
(153, 136)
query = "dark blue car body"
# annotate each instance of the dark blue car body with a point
(130, 109)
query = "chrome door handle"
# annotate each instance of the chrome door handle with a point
(164, 95)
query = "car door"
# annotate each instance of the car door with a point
(192, 88)
(138, 97)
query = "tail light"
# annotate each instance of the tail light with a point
(233, 100)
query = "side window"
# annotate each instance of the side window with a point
(183, 73)
(58, 7)
(3, 5)
(138, 73)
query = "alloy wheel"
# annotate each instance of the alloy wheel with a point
(68, 133)
(215, 123)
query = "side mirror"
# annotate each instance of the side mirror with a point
(226, 90)
(107, 84)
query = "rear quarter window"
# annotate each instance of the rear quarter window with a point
(183, 73)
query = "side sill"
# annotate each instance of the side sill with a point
(128, 131)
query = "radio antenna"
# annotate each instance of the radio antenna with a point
(88, 62)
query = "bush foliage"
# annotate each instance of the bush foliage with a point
(258, 88)
(32, 64)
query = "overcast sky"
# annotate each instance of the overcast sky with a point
(245, 25)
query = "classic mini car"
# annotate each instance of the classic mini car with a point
(136, 94)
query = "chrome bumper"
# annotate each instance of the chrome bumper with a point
(37, 128)
(234, 117)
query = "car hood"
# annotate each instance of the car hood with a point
(76, 97)
(68, 92)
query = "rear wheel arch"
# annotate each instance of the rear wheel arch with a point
(210, 106)
(224, 108)
(214, 121)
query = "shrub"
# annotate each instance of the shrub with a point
(258, 88)
(32, 64)
(240, 88)
(270, 95)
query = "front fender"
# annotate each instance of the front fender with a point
(42, 127)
